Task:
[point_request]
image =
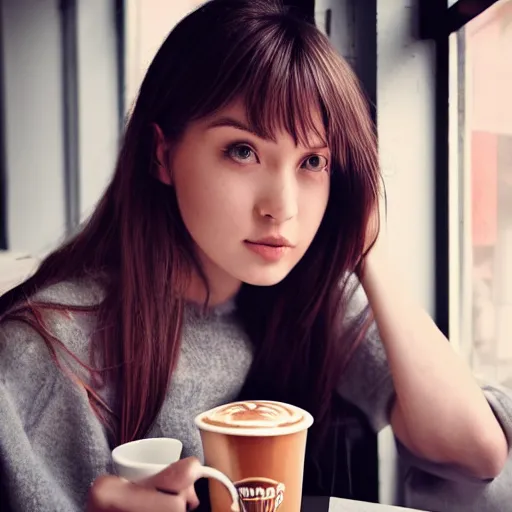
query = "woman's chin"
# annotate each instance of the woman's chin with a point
(265, 277)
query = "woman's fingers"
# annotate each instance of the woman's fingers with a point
(171, 490)
(178, 478)
(111, 493)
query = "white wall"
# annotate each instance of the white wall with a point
(98, 99)
(406, 129)
(148, 22)
(33, 101)
(33, 122)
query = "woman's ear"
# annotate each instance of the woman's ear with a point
(161, 168)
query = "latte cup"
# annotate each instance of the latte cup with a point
(138, 460)
(260, 446)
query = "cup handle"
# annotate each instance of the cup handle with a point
(207, 472)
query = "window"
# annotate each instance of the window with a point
(480, 184)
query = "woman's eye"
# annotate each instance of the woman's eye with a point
(241, 153)
(315, 163)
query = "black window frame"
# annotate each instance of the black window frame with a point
(3, 171)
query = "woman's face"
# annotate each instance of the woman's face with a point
(251, 205)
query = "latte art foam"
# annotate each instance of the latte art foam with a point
(254, 415)
(255, 418)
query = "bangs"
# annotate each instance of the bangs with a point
(275, 74)
(281, 94)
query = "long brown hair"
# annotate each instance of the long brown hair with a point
(285, 70)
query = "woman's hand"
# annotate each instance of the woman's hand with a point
(172, 490)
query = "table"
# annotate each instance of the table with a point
(326, 504)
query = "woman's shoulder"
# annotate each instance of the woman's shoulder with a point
(81, 292)
(62, 315)
(40, 342)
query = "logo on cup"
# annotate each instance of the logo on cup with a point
(260, 494)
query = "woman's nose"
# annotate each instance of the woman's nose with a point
(279, 201)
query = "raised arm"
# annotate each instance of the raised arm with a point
(440, 413)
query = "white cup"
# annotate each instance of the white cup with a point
(138, 460)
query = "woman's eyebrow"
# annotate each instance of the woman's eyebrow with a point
(234, 123)
(231, 122)
(317, 148)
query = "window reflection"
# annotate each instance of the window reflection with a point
(481, 69)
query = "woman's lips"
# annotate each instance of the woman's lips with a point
(271, 253)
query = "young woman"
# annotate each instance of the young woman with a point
(230, 256)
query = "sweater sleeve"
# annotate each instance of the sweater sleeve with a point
(443, 488)
(51, 444)
(366, 381)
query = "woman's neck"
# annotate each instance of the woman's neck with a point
(222, 287)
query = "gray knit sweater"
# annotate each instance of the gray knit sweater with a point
(52, 446)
